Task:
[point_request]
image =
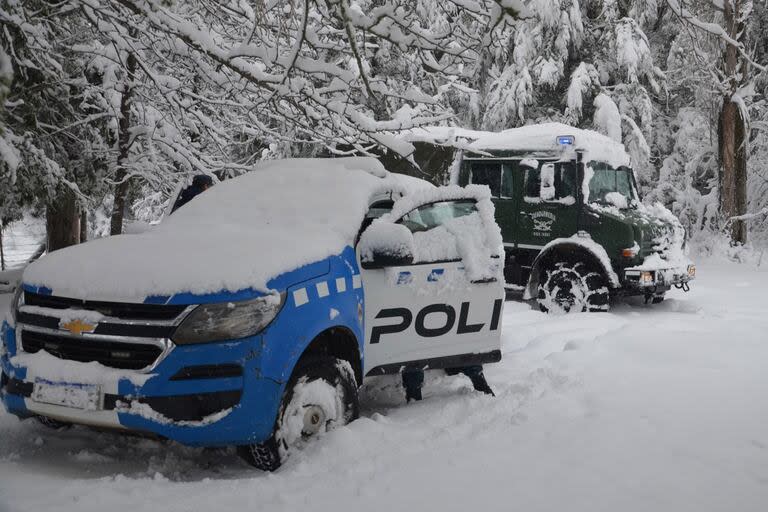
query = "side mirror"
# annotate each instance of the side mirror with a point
(547, 188)
(386, 245)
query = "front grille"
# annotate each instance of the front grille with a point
(111, 309)
(122, 355)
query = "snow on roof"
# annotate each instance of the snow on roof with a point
(441, 134)
(537, 137)
(237, 235)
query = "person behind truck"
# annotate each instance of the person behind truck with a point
(413, 380)
(200, 184)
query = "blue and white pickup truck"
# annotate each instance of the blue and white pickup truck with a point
(251, 315)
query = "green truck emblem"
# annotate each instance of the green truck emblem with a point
(542, 222)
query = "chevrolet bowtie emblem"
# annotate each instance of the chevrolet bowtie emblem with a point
(77, 327)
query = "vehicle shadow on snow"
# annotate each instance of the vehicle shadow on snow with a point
(85, 453)
(670, 305)
(79, 452)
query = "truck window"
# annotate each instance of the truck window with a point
(565, 182)
(433, 215)
(496, 175)
(437, 228)
(606, 179)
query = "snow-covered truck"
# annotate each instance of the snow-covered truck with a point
(250, 316)
(574, 229)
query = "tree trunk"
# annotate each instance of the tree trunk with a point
(123, 145)
(83, 225)
(732, 133)
(2, 254)
(62, 221)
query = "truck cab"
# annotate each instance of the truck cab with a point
(575, 231)
(251, 315)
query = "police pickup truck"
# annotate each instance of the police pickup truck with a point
(251, 315)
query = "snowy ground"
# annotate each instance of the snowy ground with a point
(21, 239)
(661, 408)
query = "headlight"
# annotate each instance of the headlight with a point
(16, 302)
(228, 320)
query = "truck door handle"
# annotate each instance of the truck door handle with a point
(484, 281)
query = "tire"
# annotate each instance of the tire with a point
(572, 288)
(658, 298)
(320, 396)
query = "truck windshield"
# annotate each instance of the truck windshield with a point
(607, 183)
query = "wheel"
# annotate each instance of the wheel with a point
(658, 298)
(571, 288)
(320, 395)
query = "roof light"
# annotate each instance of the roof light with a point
(566, 140)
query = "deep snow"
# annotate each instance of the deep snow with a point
(659, 408)
(288, 213)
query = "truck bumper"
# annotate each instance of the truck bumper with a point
(200, 395)
(650, 280)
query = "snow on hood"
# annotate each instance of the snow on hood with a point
(237, 235)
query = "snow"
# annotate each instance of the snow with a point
(65, 315)
(145, 411)
(670, 243)
(239, 234)
(607, 116)
(386, 238)
(21, 240)
(476, 238)
(617, 199)
(537, 137)
(543, 137)
(59, 370)
(644, 408)
(317, 392)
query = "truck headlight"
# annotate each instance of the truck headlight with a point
(228, 320)
(691, 271)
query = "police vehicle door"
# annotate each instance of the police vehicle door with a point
(428, 314)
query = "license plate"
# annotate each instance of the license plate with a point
(77, 396)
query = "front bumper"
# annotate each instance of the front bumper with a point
(200, 395)
(658, 279)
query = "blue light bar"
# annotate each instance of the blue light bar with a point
(566, 140)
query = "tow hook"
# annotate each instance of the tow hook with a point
(683, 286)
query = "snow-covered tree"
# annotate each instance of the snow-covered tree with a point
(717, 33)
(583, 62)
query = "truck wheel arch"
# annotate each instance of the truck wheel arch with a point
(339, 342)
(570, 249)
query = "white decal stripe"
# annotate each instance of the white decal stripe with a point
(322, 289)
(300, 297)
(526, 246)
(341, 285)
(356, 282)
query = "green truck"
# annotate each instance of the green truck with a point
(574, 229)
